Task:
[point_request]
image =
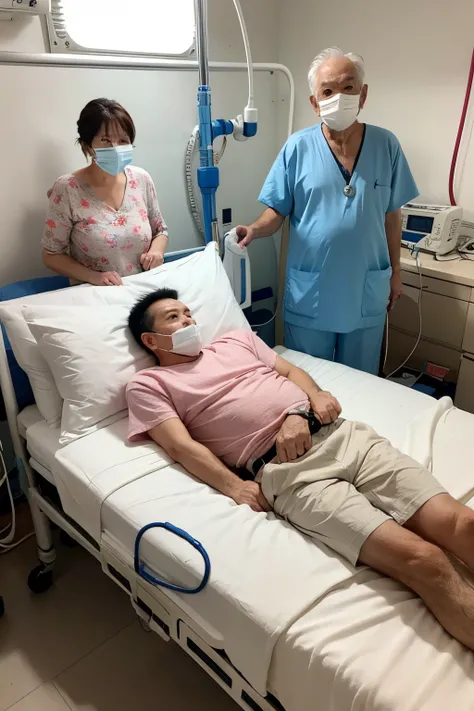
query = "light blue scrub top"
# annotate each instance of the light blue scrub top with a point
(338, 268)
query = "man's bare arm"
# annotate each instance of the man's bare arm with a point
(324, 405)
(198, 460)
(393, 230)
(267, 224)
(297, 376)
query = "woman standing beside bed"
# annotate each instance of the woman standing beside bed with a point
(104, 221)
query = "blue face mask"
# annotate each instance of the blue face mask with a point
(114, 160)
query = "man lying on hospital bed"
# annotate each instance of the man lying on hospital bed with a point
(236, 403)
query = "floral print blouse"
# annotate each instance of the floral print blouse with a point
(78, 223)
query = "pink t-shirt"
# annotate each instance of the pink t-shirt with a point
(231, 399)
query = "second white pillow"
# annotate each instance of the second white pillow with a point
(92, 356)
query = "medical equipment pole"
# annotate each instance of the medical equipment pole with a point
(202, 41)
(208, 173)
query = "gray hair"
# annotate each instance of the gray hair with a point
(356, 60)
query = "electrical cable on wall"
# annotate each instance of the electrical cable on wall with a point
(386, 344)
(248, 54)
(468, 258)
(265, 323)
(420, 320)
(462, 122)
(8, 543)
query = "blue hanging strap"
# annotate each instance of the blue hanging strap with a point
(140, 568)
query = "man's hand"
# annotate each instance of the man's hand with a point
(325, 406)
(396, 290)
(198, 460)
(250, 493)
(245, 235)
(293, 439)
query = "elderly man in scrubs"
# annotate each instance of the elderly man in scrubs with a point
(342, 184)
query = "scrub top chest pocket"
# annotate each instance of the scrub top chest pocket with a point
(382, 192)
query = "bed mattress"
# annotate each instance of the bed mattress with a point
(348, 651)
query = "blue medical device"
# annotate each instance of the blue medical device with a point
(209, 130)
(143, 573)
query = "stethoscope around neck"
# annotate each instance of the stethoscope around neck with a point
(348, 189)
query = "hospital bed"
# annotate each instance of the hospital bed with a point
(283, 622)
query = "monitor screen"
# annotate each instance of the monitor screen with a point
(420, 223)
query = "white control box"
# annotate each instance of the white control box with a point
(236, 263)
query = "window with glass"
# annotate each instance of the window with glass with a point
(151, 27)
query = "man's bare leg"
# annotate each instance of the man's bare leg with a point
(449, 524)
(426, 569)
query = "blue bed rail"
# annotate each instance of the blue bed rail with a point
(173, 256)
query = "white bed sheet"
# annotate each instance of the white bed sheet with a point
(28, 416)
(103, 479)
(371, 645)
(42, 440)
(90, 471)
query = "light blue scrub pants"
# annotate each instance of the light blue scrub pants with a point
(358, 349)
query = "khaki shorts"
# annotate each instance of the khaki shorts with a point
(348, 484)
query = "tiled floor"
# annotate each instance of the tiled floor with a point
(79, 646)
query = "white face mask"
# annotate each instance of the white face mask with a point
(340, 111)
(186, 341)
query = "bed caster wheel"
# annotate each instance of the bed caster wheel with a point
(67, 540)
(40, 579)
(2, 607)
(144, 624)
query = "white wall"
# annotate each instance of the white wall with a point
(40, 106)
(417, 59)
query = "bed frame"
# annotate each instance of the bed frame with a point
(156, 609)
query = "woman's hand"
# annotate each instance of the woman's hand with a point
(105, 279)
(152, 259)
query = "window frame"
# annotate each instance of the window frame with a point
(60, 41)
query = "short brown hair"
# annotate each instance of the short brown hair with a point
(102, 111)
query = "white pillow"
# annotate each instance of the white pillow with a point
(92, 355)
(27, 353)
(196, 272)
(25, 348)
